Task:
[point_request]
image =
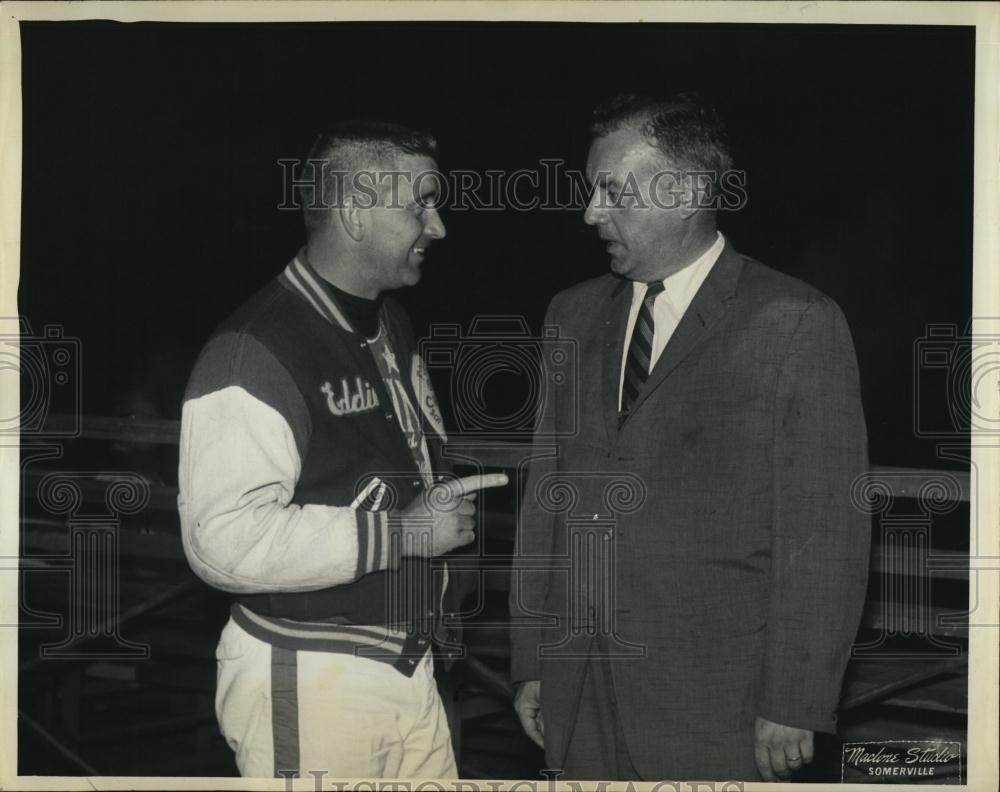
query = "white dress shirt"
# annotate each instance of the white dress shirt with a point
(670, 304)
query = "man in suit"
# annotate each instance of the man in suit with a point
(705, 632)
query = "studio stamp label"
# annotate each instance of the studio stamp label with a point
(902, 762)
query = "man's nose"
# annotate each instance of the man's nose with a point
(593, 215)
(434, 227)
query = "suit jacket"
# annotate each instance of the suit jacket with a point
(710, 544)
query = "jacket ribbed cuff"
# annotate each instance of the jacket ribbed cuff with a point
(378, 543)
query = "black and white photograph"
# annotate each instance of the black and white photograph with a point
(594, 396)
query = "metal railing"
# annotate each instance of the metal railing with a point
(895, 481)
(902, 482)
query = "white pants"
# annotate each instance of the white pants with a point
(329, 714)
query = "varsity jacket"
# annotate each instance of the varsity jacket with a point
(301, 440)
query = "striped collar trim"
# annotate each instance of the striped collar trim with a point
(307, 282)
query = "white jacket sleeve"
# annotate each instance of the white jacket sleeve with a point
(239, 465)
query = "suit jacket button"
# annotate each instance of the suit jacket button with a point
(388, 416)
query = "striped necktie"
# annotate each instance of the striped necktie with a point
(640, 351)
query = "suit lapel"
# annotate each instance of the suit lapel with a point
(703, 314)
(612, 328)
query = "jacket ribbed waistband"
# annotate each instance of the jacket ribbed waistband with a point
(402, 649)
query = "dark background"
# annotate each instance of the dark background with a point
(150, 193)
(151, 181)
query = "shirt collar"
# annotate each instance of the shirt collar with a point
(682, 285)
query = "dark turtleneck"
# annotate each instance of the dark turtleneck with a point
(362, 312)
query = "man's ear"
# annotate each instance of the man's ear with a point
(351, 219)
(687, 205)
(696, 193)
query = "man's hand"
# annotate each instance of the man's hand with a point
(528, 703)
(442, 519)
(780, 750)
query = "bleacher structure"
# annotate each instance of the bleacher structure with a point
(117, 636)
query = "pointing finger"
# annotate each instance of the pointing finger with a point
(464, 486)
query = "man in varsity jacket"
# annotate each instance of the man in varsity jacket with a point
(310, 442)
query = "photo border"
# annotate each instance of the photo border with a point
(984, 671)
